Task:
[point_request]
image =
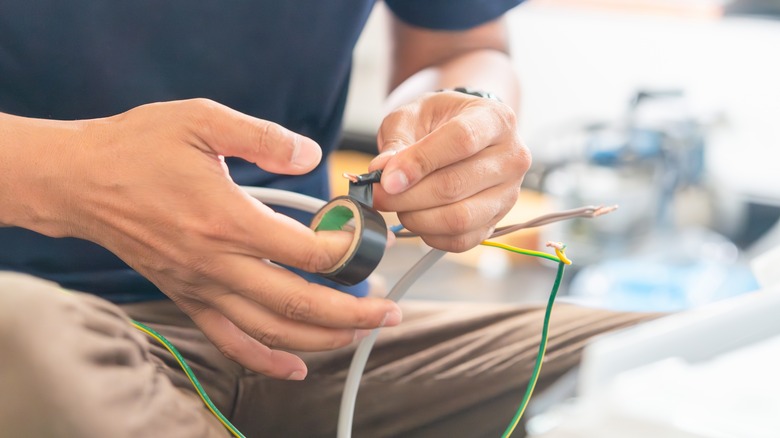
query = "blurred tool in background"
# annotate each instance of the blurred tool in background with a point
(661, 252)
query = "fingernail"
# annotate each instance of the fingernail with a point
(306, 153)
(360, 334)
(297, 375)
(391, 318)
(395, 182)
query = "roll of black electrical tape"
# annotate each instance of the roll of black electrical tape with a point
(369, 238)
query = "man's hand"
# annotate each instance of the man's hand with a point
(453, 164)
(151, 185)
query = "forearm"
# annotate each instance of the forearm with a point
(482, 69)
(32, 153)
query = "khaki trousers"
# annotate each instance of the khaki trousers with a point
(72, 366)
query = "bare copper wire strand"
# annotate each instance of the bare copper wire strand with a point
(350, 176)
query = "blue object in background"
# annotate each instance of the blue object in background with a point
(672, 271)
(646, 285)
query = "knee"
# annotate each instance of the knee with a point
(25, 331)
(52, 346)
(24, 300)
(22, 297)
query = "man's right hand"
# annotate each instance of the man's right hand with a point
(151, 186)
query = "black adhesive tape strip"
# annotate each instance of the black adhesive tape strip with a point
(369, 238)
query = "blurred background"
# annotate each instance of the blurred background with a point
(666, 108)
(669, 109)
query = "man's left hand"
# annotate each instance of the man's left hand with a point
(452, 167)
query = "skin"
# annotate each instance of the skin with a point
(151, 186)
(453, 163)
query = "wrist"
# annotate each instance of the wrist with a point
(34, 155)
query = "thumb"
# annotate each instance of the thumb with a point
(269, 145)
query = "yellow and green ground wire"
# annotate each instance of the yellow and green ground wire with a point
(562, 262)
(560, 258)
(188, 371)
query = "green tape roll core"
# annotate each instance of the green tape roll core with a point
(368, 242)
(335, 219)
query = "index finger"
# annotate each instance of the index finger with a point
(291, 296)
(455, 140)
(278, 237)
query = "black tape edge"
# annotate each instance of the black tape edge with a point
(370, 247)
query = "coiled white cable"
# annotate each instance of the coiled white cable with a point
(360, 358)
(309, 204)
(283, 198)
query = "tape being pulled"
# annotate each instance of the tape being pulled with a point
(369, 238)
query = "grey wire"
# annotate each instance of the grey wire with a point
(360, 358)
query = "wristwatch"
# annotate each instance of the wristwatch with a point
(473, 92)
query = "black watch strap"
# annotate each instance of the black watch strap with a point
(474, 92)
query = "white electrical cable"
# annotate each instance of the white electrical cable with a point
(283, 198)
(309, 204)
(360, 357)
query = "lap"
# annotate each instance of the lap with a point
(73, 366)
(450, 369)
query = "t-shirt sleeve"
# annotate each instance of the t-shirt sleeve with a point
(449, 14)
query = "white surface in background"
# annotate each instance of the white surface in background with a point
(582, 66)
(694, 336)
(711, 372)
(765, 268)
(734, 395)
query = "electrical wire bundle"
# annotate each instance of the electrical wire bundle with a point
(360, 357)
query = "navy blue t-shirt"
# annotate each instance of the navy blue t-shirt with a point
(280, 60)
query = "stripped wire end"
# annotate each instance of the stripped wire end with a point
(350, 176)
(560, 249)
(600, 211)
(364, 179)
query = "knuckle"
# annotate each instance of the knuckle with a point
(393, 131)
(265, 132)
(522, 156)
(510, 199)
(518, 158)
(202, 109)
(268, 336)
(409, 221)
(297, 307)
(403, 114)
(465, 137)
(395, 118)
(201, 267)
(229, 350)
(202, 112)
(459, 220)
(341, 341)
(214, 228)
(458, 243)
(314, 259)
(451, 187)
(420, 163)
(203, 104)
(465, 242)
(391, 144)
(506, 115)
